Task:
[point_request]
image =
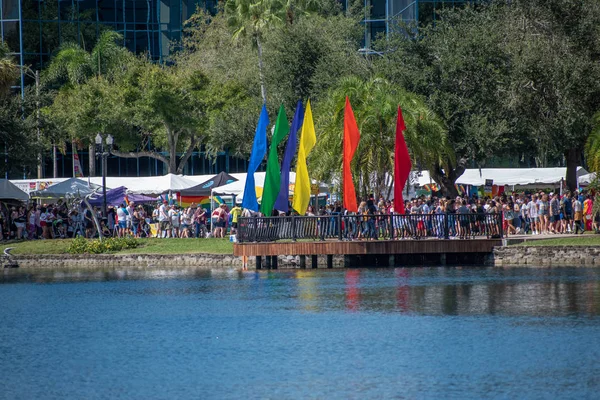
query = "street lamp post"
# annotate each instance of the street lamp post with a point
(103, 151)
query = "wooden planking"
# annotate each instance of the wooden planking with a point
(432, 246)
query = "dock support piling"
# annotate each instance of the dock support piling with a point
(274, 262)
(303, 262)
(329, 261)
(268, 262)
(391, 260)
(347, 261)
(315, 261)
(258, 262)
(443, 259)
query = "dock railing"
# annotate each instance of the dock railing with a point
(372, 227)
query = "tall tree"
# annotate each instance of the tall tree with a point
(17, 137)
(151, 110)
(459, 66)
(73, 65)
(255, 17)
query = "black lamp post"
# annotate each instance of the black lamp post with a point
(103, 151)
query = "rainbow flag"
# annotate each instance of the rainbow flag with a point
(203, 201)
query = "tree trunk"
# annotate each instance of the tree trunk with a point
(54, 162)
(573, 157)
(92, 160)
(447, 179)
(263, 89)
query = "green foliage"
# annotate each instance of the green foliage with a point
(81, 245)
(592, 147)
(518, 78)
(303, 60)
(17, 136)
(375, 104)
(306, 59)
(9, 71)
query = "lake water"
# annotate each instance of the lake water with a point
(419, 333)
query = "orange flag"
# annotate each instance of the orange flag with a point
(351, 139)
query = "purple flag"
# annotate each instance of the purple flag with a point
(282, 202)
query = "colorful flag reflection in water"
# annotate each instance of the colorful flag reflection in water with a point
(352, 289)
(403, 291)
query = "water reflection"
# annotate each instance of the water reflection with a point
(428, 291)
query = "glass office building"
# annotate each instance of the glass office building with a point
(33, 29)
(383, 16)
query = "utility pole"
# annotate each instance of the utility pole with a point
(37, 110)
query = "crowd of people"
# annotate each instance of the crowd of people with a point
(464, 216)
(443, 217)
(164, 220)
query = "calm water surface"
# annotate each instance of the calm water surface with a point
(428, 333)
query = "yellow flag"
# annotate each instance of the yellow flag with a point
(308, 138)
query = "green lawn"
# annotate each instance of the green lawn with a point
(583, 240)
(149, 246)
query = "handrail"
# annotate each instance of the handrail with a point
(369, 227)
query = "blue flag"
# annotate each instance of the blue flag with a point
(282, 202)
(259, 149)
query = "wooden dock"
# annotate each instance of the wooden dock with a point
(374, 252)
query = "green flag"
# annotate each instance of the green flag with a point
(273, 175)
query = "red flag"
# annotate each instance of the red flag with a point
(351, 139)
(402, 164)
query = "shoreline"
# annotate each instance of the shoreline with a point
(503, 256)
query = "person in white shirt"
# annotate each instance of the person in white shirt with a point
(164, 220)
(534, 216)
(174, 216)
(122, 214)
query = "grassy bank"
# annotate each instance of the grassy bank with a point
(583, 240)
(148, 246)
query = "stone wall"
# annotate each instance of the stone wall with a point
(533, 256)
(545, 256)
(212, 261)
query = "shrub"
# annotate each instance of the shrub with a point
(80, 245)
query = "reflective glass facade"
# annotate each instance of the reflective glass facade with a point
(33, 29)
(385, 15)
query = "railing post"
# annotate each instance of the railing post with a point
(293, 228)
(446, 227)
(501, 223)
(322, 228)
(391, 226)
(339, 226)
(240, 231)
(255, 224)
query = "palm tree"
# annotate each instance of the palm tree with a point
(9, 71)
(73, 65)
(592, 146)
(375, 104)
(254, 17)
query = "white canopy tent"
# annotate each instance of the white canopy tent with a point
(150, 185)
(509, 176)
(237, 188)
(587, 178)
